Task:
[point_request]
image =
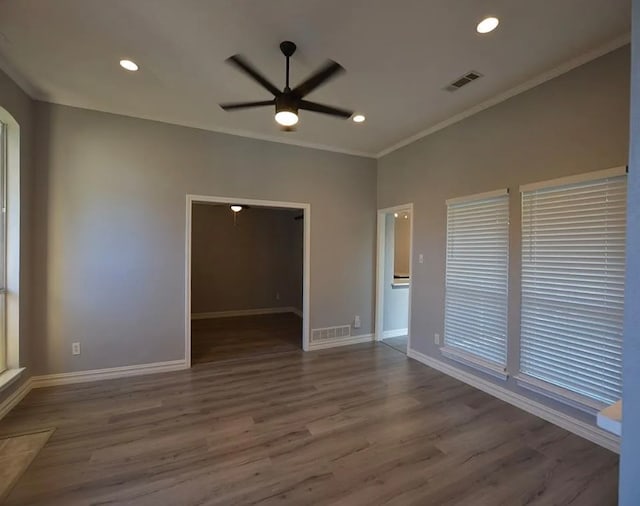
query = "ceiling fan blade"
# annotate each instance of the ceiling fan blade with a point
(323, 74)
(252, 72)
(324, 109)
(245, 105)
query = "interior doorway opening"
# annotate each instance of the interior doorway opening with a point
(394, 276)
(247, 278)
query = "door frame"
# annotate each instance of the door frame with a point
(192, 199)
(379, 323)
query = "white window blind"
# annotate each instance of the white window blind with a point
(477, 276)
(573, 268)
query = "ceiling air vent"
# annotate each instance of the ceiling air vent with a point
(464, 80)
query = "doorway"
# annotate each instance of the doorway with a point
(394, 276)
(247, 278)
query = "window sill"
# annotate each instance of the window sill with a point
(10, 376)
(475, 362)
(610, 419)
(559, 394)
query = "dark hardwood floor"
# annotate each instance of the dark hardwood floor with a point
(357, 425)
(397, 343)
(218, 339)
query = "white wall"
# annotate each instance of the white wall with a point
(111, 230)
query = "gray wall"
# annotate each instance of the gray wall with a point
(575, 123)
(21, 107)
(396, 300)
(245, 265)
(111, 230)
(630, 459)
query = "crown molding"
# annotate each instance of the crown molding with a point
(226, 131)
(17, 78)
(610, 46)
(521, 88)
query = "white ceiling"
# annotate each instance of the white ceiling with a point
(399, 54)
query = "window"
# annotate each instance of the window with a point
(573, 268)
(3, 246)
(477, 278)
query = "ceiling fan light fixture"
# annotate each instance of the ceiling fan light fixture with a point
(286, 118)
(359, 118)
(236, 208)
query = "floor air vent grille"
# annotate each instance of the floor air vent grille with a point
(319, 335)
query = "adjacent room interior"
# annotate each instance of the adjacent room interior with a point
(246, 281)
(394, 252)
(320, 252)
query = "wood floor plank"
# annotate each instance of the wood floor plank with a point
(356, 425)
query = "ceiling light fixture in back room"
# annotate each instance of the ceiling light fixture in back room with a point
(289, 101)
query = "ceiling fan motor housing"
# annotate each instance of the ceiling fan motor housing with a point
(287, 102)
(288, 48)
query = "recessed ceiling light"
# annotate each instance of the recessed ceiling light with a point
(395, 215)
(488, 25)
(359, 118)
(129, 65)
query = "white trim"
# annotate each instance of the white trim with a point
(478, 196)
(9, 377)
(379, 315)
(578, 178)
(578, 427)
(12, 240)
(342, 341)
(388, 334)
(16, 396)
(126, 371)
(478, 363)
(17, 77)
(559, 394)
(616, 43)
(610, 418)
(245, 312)
(306, 275)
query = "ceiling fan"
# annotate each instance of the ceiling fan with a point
(289, 101)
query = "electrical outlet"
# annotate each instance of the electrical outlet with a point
(436, 338)
(421, 258)
(356, 322)
(75, 348)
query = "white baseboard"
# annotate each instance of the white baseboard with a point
(387, 334)
(12, 400)
(341, 341)
(69, 378)
(578, 427)
(245, 312)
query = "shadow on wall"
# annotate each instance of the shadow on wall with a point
(250, 261)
